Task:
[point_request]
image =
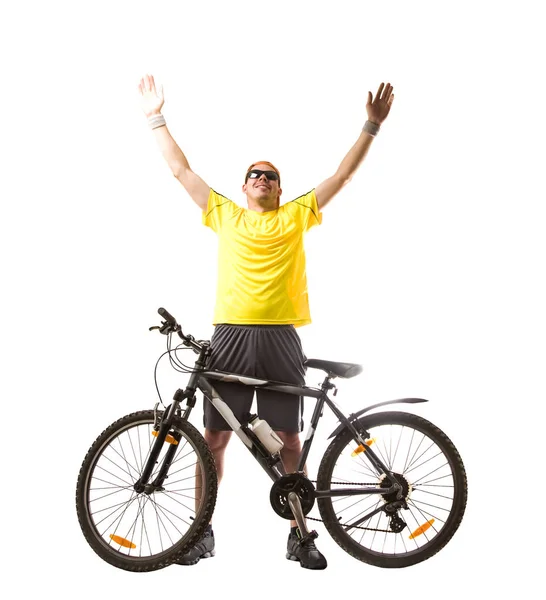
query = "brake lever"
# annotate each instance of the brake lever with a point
(165, 328)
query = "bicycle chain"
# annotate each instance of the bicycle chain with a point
(355, 526)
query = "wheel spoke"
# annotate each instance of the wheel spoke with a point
(123, 525)
(430, 472)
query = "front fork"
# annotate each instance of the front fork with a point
(173, 410)
(142, 484)
(173, 439)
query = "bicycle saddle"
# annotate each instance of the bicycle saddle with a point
(339, 369)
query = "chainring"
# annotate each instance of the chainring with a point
(293, 482)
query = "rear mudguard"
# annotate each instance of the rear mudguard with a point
(353, 417)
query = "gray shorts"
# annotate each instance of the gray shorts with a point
(272, 352)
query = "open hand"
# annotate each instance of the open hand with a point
(151, 99)
(378, 108)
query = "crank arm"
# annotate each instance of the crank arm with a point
(295, 505)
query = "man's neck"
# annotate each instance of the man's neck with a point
(262, 208)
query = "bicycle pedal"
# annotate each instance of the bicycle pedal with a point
(312, 535)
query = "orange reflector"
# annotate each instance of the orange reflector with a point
(361, 448)
(169, 439)
(421, 529)
(122, 541)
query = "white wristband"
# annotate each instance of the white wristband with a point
(371, 128)
(155, 121)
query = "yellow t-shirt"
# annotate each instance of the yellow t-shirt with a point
(261, 261)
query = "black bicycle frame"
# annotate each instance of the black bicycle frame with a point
(273, 465)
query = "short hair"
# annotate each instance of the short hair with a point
(265, 162)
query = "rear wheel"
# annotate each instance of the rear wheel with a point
(148, 530)
(433, 479)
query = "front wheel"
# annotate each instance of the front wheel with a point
(431, 472)
(145, 530)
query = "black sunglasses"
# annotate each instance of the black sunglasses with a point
(256, 174)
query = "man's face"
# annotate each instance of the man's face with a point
(261, 189)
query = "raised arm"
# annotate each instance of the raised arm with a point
(378, 109)
(152, 101)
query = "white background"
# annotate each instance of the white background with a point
(428, 268)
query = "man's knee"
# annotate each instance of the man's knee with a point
(291, 441)
(217, 439)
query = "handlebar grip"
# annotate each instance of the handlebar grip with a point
(167, 316)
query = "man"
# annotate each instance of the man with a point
(261, 291)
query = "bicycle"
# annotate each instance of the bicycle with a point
(147, 487)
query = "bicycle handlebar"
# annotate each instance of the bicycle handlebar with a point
(168, 317)
(171, 325)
